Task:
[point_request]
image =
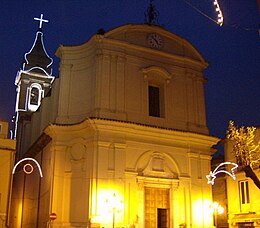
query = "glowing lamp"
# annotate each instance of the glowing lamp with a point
(116, 205)
(217, 209)
(220, 210)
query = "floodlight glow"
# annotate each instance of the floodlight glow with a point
(30, 159)
(220, 210)
(212, 175)
(216, 208)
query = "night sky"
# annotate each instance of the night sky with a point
(233, 50)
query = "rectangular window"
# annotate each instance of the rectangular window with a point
(0, 128)
(154, 101)
(244, 192)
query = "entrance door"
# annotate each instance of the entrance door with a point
(157, 205)
(162, 218)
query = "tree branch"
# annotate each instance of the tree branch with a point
(251, 174)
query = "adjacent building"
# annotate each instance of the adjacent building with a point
(7, 153)
(121, 135)
(242, 194)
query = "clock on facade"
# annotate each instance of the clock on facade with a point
(155, 40)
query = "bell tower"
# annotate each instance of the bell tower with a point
(33, 81)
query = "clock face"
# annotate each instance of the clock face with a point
(155, 41)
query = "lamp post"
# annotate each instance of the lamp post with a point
(217, 209)
(113, 202)
(116, 205)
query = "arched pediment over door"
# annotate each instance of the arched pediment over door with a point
(158, 165)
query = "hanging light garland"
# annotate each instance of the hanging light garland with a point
(220, 20)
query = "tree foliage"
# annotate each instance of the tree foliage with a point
(245, 149)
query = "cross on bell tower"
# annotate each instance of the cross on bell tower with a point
(41, 20)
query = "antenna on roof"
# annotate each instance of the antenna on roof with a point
(151, 15)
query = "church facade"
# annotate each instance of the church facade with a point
(121, 138)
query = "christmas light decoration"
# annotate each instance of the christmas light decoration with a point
(41, 37)
(25, 55)
(220, 20)
(41, 20)
(219, 169)
(28, 168)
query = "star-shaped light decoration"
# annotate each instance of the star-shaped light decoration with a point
(219, 169)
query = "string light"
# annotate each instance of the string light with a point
(220, 20)
(35, 41)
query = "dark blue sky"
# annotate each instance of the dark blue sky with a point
(233, 50)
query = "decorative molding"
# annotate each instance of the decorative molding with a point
(157, 166)
(158, 182)
(160, 72)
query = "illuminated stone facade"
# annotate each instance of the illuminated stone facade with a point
(243, 195)
(122, 140)
(7, 153)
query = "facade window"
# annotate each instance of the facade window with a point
(1, 131)
(244, 192)
(155, 81)
(154, 101)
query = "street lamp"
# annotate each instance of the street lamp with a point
(217, 209)
(116, 206)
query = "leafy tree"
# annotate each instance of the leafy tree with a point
(245, 149)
